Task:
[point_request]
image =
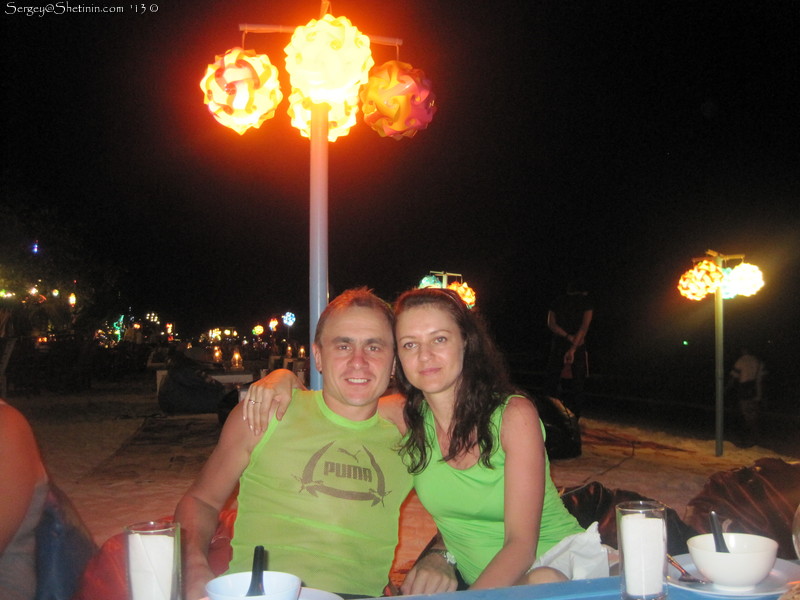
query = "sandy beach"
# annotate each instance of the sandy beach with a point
(121, 460)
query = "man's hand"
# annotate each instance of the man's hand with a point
(269, 396)
(432, 574)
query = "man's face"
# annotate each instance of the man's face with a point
(355, 356)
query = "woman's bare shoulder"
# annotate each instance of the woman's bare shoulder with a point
(391, 408)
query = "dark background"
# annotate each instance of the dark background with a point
(613, 141)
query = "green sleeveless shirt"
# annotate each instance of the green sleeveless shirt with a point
(467, 505)
(322, 494)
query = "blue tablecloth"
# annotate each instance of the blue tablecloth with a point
(607, 588)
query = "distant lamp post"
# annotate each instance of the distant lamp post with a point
(288, 320)
(328, 61)
(439, 279)
(711, 275)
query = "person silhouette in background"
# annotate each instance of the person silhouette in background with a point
(746, 378)
(569, 318)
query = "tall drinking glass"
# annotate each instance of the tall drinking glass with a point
(642, 544)
(153, 551)
(796, 531)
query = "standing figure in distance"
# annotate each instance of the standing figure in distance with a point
(569, 318)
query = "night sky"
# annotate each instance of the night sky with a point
(608, 140)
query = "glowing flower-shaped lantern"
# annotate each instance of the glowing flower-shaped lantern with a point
(466, 293)
(241, 89)
(430, 281)
(746, 279)
(341, 117)
(328, 60)
(273, 324)
(397, 100)
(701, 280)
(289, 319)
(726, 286)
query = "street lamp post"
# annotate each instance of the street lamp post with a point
(329, 63)
(719, 359)
(318, 228)
(713, 276)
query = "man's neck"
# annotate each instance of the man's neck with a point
(350, 412)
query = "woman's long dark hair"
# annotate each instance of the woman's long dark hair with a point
(483, 386)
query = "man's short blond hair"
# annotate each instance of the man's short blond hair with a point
(355, 297)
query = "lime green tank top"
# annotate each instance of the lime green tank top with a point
(322, 494)
(467, 505)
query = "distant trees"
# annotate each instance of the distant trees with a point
(44, 258)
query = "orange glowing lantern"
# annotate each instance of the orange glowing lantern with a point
(466, 293)
(236, 360)
(746, 279)
(397, 100)
(341, 117)
(328, 60)
(703, 279)
(241, 89)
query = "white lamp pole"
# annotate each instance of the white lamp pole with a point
(719, 353)
(241, 90)
(318, 227)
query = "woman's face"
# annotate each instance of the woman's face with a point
(430, 348)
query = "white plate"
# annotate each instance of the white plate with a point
(776, 582)
(312, 594)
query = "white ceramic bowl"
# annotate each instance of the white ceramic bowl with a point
(749, 561)
(234, 586)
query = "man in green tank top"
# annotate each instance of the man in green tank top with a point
(321, 488)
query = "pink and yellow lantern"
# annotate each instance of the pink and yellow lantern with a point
(241, 89)
(397, 100)
(703, 279)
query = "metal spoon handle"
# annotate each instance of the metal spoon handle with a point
(716, 530)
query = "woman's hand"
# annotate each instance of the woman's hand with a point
(269, 396)
(432, 574)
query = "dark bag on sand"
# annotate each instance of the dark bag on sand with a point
(760, 499)
(594, 502)
(562, 433)
(189, 390)
(63, 548)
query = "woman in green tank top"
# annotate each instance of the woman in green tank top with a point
(475, 445)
